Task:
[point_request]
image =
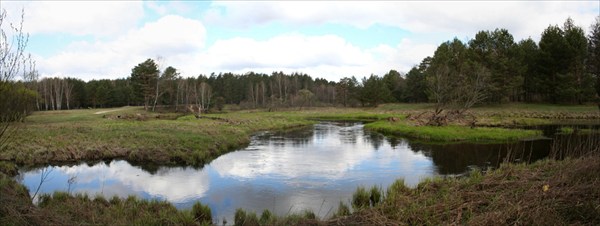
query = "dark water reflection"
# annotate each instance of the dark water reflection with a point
(287, 171)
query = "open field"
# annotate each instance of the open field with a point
(65, 136)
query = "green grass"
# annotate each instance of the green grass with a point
(173, 138)
(452, 132)
(82, 135)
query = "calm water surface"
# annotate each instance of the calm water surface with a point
(284, 172)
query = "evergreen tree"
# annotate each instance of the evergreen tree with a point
(579, 79)
(527, 53)
(144, 77)
(416, 83)
(395, 84)
(594, 55)
(553, 63)
(495, 51)
(374, 91)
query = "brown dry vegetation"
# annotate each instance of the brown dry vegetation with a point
(545, 193)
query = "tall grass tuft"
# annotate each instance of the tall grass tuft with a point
(202, 213)
(343, 210)
(376, 195)
(396, 188)
(308, 214)
(243, 218)
(361, 198)
(266, 217)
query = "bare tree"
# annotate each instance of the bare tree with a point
(13, 62)
(68, 87)
(205, 96)
(58, 92)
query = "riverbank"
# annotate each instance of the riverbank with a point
(546, 192)
(136, 136)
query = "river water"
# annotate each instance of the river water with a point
(285, 172)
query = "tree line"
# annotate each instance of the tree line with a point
(563, 67)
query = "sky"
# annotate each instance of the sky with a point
(325, 39)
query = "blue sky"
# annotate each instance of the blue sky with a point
(327, 39)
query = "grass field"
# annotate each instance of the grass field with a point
(82, 135)
(173, 138)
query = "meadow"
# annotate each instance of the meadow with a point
(550, 191)
(168, 138)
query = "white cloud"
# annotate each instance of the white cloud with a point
(285, 51)
(175, 38)
(97, 18)
(328, 56)
(118, 42)
(329, 156)
(461, 19)
(173, 184)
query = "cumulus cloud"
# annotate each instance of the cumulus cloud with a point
(174, 184)
(329, 149)
(97, 18)
(462, 19)
(175, 38)
(290, 51)
(327, 56)
(119, 41)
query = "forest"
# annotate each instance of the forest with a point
(562, 68)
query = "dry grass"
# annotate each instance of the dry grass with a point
(546, 193)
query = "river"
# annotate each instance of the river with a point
(286, 172)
